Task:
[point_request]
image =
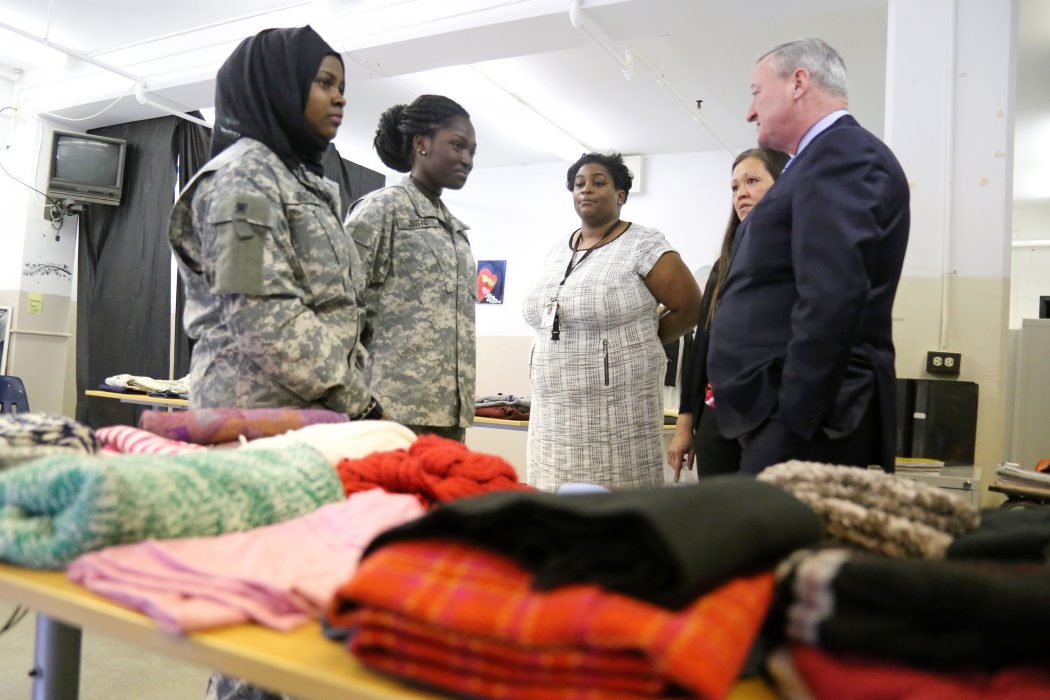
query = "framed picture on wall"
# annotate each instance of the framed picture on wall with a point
(5, 335)
(491, 277)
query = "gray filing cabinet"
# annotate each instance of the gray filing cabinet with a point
(961, 481)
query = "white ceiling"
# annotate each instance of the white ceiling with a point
(397, 49)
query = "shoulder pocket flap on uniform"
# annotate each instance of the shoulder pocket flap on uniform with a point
(405, 224)
(251, 208)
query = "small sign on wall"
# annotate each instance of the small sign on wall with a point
(34, 303)
(491, 278)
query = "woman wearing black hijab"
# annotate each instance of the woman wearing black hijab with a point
(271, 276)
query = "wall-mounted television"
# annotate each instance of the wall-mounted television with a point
(85, 168)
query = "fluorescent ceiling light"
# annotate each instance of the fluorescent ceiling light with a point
(22, 52)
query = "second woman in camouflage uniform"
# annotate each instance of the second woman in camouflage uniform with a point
(420, 270)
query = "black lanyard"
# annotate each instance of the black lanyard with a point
(555, 330)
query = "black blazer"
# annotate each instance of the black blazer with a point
(694, 367)
(803, 330)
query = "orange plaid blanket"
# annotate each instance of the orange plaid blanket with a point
(464, 619)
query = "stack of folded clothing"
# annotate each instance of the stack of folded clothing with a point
(28, 436)
(906, 628)
(466, 620)
(534, 596)
(148, 385)
(503, 406)
(967, 624)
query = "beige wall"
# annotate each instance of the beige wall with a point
(978, 310)
(41, 349)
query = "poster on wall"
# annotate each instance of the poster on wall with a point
(491, 277)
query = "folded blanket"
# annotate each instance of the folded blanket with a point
(837, 677)
(464, 619)
(501, 412)
(877, 511)
(434, 468)
(149, 385)
(933, 614)
(279, 576)
(1013, 533)
(343, 440)
(665, 546)
(54, 509)
(28, 436)
(214, 426)
(124, 438)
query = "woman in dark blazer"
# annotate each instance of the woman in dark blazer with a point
(697, 439)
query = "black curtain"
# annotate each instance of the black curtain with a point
(124, 273)
(355, 181)
(190, 146)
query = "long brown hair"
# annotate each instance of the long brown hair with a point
(773, 161)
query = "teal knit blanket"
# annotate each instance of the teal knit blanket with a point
(56, 508)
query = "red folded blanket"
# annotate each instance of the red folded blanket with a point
(501, 412)
(214, 426)
(435, 468)
(846, 677)
(466, 620)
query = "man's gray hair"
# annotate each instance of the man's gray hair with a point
(823, 63)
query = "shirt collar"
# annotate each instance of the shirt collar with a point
(424, 207)
(817, 128)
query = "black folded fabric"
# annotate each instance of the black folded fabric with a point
(666, 546)
(940, 615)
(1019, 534)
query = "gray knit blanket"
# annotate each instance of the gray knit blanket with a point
(54, 509)
(876, 511)
(28, 436)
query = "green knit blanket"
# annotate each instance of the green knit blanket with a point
(56, 508)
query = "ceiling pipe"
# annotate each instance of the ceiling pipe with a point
(70, 52)
(164, 106)
(140, 82)
(599, 37)
(627, 63)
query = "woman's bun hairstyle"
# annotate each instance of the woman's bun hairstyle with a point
(400, 124)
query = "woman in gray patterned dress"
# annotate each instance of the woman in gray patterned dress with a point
(597, 359)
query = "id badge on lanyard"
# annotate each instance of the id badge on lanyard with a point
(550, 312)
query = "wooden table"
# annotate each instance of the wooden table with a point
(139, 399)
(302, 662)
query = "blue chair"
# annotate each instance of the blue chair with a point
(13, 397)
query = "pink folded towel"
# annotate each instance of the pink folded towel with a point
(280, 576)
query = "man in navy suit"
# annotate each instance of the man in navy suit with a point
(801, 350)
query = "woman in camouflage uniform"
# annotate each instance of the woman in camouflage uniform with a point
(270, 273)
(420, 270)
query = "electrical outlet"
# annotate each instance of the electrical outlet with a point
(940, 362)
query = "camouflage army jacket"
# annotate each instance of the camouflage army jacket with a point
(420, 300)
(270, 277)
